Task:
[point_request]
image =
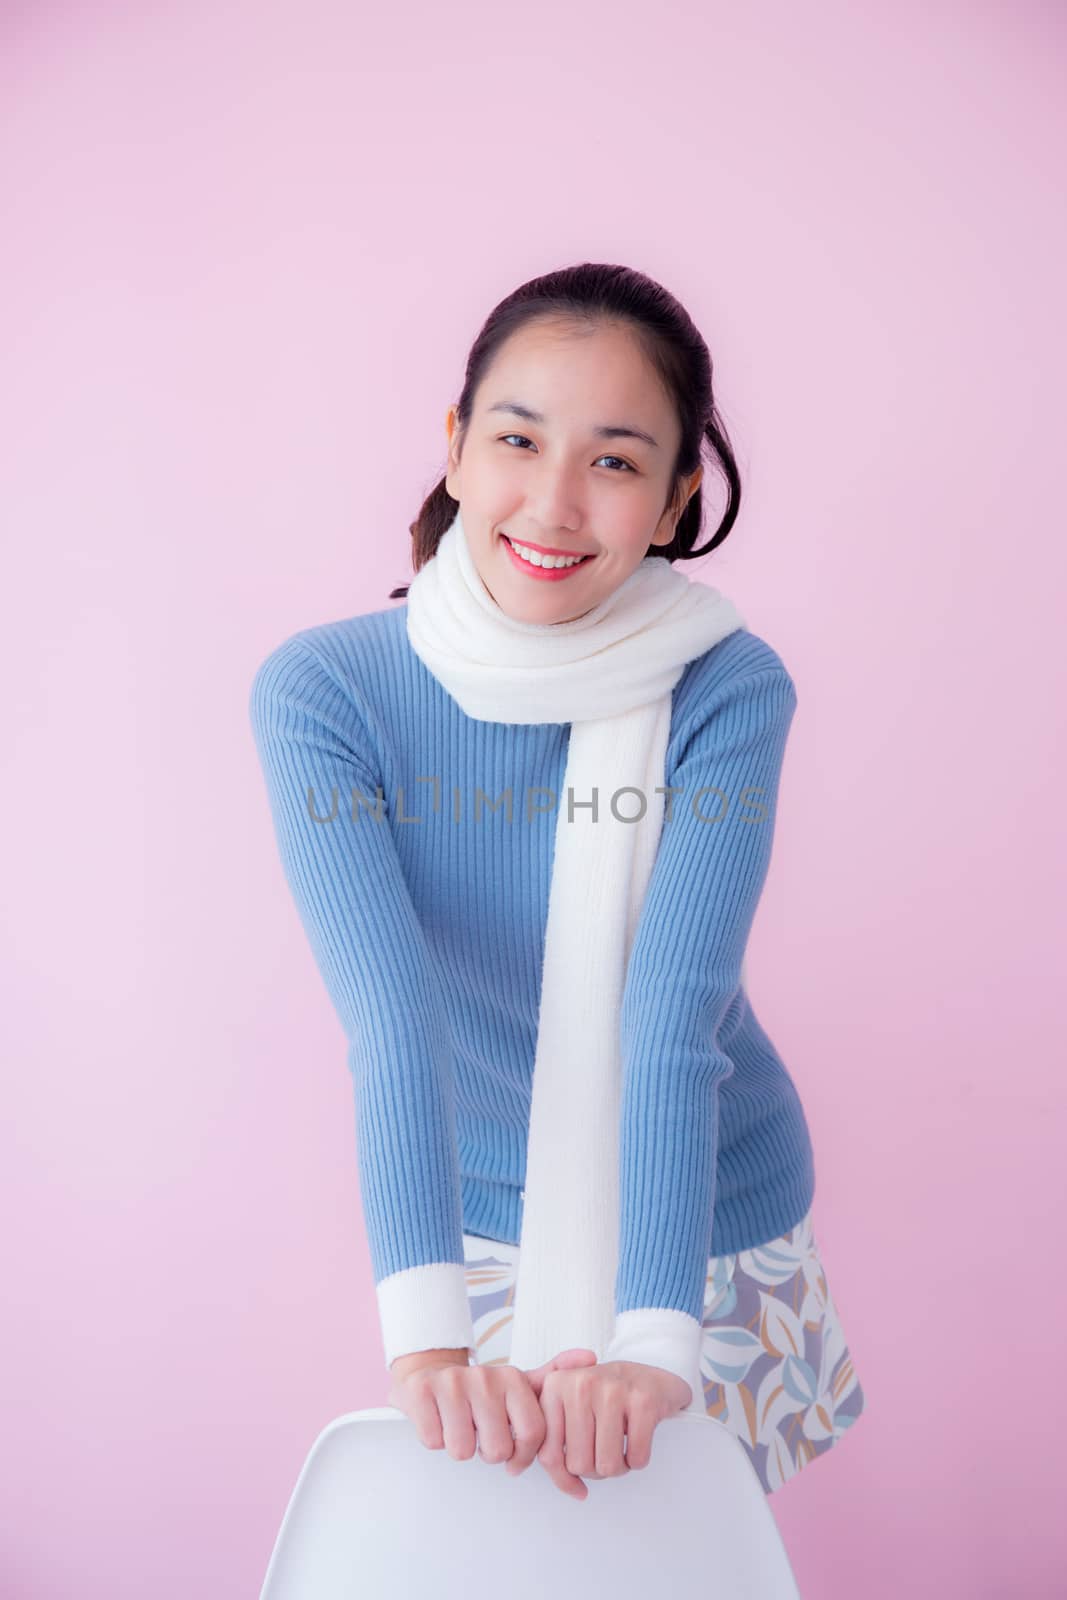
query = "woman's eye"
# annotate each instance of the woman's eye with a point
(505, 437)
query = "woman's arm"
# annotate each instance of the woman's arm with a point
(684, 970)
(357, 911)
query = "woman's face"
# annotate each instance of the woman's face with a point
(569, 449)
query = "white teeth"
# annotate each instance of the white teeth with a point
(536, 559)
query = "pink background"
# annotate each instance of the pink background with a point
(246, 249)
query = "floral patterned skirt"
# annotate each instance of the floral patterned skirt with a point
(777, 1371)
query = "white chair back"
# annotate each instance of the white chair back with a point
(375, 1515)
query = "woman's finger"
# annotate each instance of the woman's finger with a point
(550, 1454)
(610, 1409)
(527, 1422)
(579, 1429)
(492, 1426)
(418, 1402)
(451, 1392)
(641, 1419)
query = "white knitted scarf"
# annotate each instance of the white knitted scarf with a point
(609, 674)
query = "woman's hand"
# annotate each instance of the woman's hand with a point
(587, 1412)
(493, 1409)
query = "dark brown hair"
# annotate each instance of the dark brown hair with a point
(588, 293)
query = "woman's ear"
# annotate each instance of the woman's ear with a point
(452, 470)
(667, 526)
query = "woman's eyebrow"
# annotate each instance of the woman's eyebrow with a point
(618, 431)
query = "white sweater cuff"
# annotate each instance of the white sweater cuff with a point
(425, 1308)
(661, 1338)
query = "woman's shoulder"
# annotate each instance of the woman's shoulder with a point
(345, 667)
(739, 683)
(741, 656)
(347, 638)
(346, 649)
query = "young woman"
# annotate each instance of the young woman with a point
(526, 819)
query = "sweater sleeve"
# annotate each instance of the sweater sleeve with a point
(684, 970)
(342, 868)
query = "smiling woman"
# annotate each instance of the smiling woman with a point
(555, 490)
(578, 379)
(552, 1046)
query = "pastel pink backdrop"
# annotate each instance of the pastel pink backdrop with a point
(246, 250)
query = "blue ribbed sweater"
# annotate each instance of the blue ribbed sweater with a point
(425, 904)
